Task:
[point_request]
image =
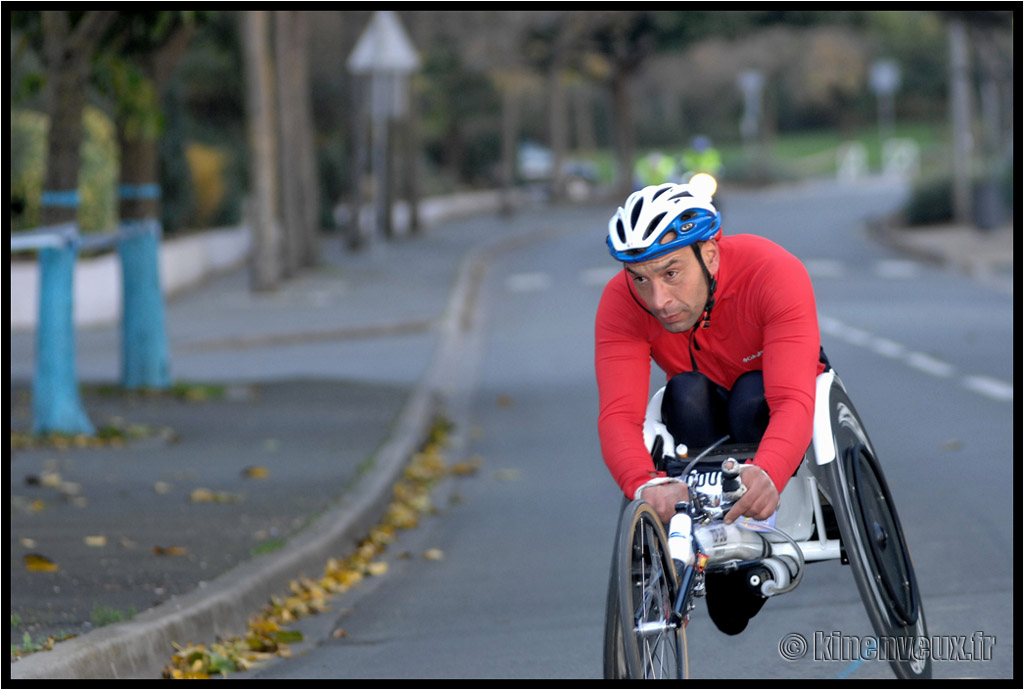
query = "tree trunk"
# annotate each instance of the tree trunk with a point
(960, 114)
(625, 146)
(67, 52)
(263, 207)
(309, 174)
(557, 122)
(289, 135)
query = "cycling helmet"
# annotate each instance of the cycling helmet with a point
(659, 219)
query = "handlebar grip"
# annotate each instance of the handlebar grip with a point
(732, 487)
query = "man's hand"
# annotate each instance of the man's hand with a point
(760, 500)
(663, 498)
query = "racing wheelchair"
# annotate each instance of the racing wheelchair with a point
(836, 506)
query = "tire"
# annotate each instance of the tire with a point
(614, 657)
(652, 643)
(875, 545)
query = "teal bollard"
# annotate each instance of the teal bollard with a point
(56, 405)
(145, 360)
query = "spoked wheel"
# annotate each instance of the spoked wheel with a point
(875, 545)
(614, 656)
(652, 642)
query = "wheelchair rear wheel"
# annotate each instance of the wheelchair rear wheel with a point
(875, 545)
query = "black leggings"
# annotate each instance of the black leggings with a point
(698, 412)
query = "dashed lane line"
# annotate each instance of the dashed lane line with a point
(987, 386)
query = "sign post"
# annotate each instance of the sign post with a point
(387, 57)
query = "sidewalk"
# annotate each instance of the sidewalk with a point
(985, 255)
(189, 528)
(325, 389)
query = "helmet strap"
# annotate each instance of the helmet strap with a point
(712, 283)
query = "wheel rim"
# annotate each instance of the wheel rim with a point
(880, 527)
(650, 605)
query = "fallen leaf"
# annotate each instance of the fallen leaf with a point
(377, 568)
(161, 487)
(28, 543)
(38, 563)
(256, 472)
(470, 466)
(203, 495)
(339, 633)
(170, 550)
(97, 541)
(50, 480)
(434, 555)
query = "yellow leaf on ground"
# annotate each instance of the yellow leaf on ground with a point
(255, 472)
(377, 568)
(38, 563)
(97, 540)
(434, 555)
(170, 550)
(201, 495)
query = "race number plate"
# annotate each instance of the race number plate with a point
(709, 483)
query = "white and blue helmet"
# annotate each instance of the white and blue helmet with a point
(659, 219)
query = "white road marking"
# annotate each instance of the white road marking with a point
(897, 269)
(527, 282)
(990, 387)
(983, 385)
(599, 277)
(929, 364)
(825, 268)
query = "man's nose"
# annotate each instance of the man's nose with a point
(660, 297)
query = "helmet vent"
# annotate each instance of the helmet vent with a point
(621, 230)
(635, 212)
(653, 225)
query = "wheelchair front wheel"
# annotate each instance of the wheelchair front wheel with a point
(875, 546)
(651, 640)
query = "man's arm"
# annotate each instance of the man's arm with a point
(622, 360)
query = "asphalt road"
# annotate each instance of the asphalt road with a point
(518, 591)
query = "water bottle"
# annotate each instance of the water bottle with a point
(680, 545)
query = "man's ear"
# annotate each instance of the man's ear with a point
(710, 252)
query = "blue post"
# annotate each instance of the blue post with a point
(56, 405)
(145, 361)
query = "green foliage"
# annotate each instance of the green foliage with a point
(930, 202)
(97, 178)
(28, 166)
(108, 615)
(460, 111)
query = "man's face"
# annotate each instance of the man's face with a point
(673, 286)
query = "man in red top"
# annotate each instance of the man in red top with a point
(733, 324)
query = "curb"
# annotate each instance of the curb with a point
(990, 266)
(142, 647)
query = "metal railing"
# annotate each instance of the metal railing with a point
(56, 404)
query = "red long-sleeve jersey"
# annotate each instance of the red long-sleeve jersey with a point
(764, 318)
